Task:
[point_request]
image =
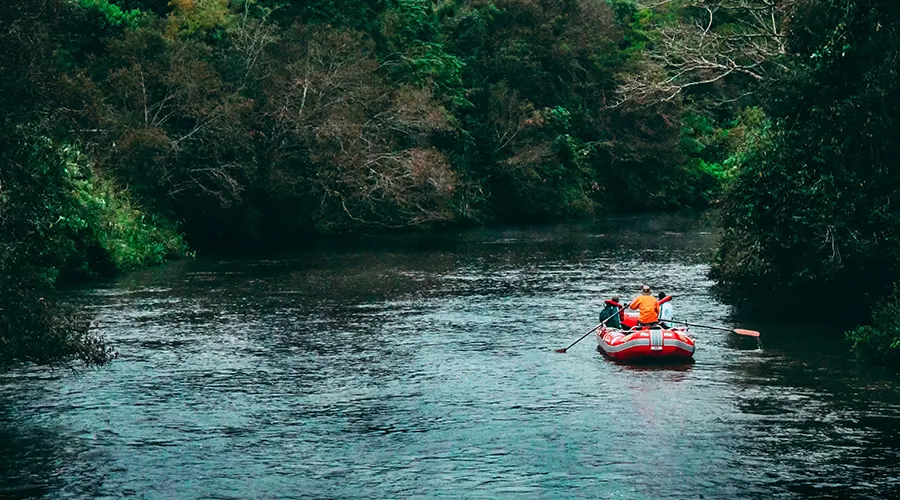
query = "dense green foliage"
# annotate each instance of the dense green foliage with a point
(880, 340)
(262, 120)
(58, 218)
(59, 221)
(813, 208)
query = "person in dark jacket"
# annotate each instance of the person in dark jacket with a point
(614, 309)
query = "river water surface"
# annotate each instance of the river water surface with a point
(424, 367)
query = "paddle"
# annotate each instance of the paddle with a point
(563, 350)
(739, 331)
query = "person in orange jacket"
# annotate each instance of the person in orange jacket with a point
(647, 304)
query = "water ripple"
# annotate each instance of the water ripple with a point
(415, 370)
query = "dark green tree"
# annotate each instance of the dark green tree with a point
(812, 207)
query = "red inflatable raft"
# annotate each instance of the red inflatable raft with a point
(646, 343)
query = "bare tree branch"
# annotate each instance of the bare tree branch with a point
(713, 40)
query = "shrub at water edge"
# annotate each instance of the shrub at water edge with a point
(60, 222)
(880, 340)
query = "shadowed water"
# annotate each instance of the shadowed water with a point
(423, 366)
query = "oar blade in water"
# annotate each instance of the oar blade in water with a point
(747, 333)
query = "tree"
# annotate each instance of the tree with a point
(704, 42)
(34, 242)
(812, 206)
(341, 137)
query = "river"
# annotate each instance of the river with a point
(424, 366)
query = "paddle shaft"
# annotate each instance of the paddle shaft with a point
(701, 326)
(590, 331)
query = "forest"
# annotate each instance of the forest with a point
(140, 131)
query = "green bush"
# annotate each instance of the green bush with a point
(93, 228)
(110, 14)
(129, 237)
(880, 340)
(58, 221)
(39, 237)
